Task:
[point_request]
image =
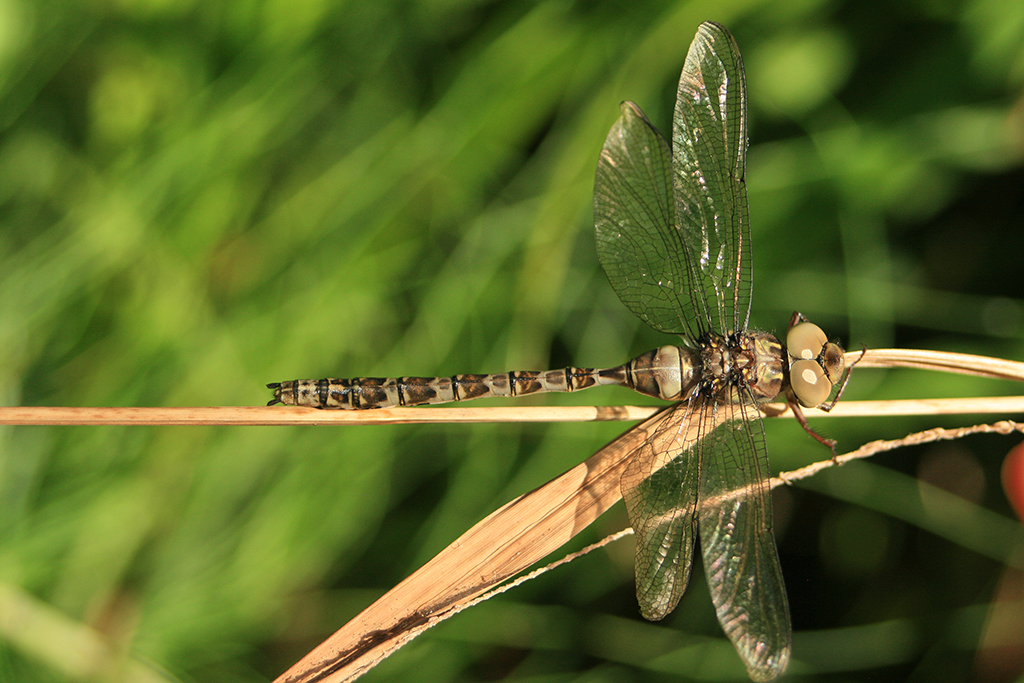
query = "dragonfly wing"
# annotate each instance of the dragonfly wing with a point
(659, 487)
(709, 139)
(634, 220)
(672, 226)
(740, 560)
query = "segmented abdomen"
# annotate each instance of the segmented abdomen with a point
(664, 373)
(376, 392)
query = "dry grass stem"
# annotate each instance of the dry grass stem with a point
(869, 449)
(283, 416)
(263, 416)
(943, 361)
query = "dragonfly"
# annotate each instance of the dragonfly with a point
(673, 237)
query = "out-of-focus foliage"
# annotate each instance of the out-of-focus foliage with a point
(197, 198)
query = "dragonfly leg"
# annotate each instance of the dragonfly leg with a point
(802, 419)
(797, 317)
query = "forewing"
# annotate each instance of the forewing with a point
(740, 560)
(634, 220)
(709, 139)
(659, 487)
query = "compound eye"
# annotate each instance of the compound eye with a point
(809, 383)
(805, 341)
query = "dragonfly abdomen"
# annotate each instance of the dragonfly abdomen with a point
(662, 373)
(361, 393)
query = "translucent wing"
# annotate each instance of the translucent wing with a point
(735, 520)
(634, 221)
(674, 240)
(672, 230)
(709, 138)
(659, 487)
(704, 465)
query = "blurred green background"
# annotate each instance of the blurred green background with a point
(197, 198)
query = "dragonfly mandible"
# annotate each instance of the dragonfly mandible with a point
(673, 237)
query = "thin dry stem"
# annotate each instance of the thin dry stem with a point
(869, 449)
(263, 416)
(942, 361)
(277, 416)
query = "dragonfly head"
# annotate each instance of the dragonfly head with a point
(815, 364)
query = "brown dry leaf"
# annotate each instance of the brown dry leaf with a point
(502, 545)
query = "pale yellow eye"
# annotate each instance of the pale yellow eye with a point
(809, 383)
(805, 340)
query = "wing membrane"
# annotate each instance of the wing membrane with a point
(672, 226)
(673, 237)
(709, 139)
(634, 219)
(659, 487)
(740, 560)
(705, 466)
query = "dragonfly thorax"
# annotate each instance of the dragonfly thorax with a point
(750, 361)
